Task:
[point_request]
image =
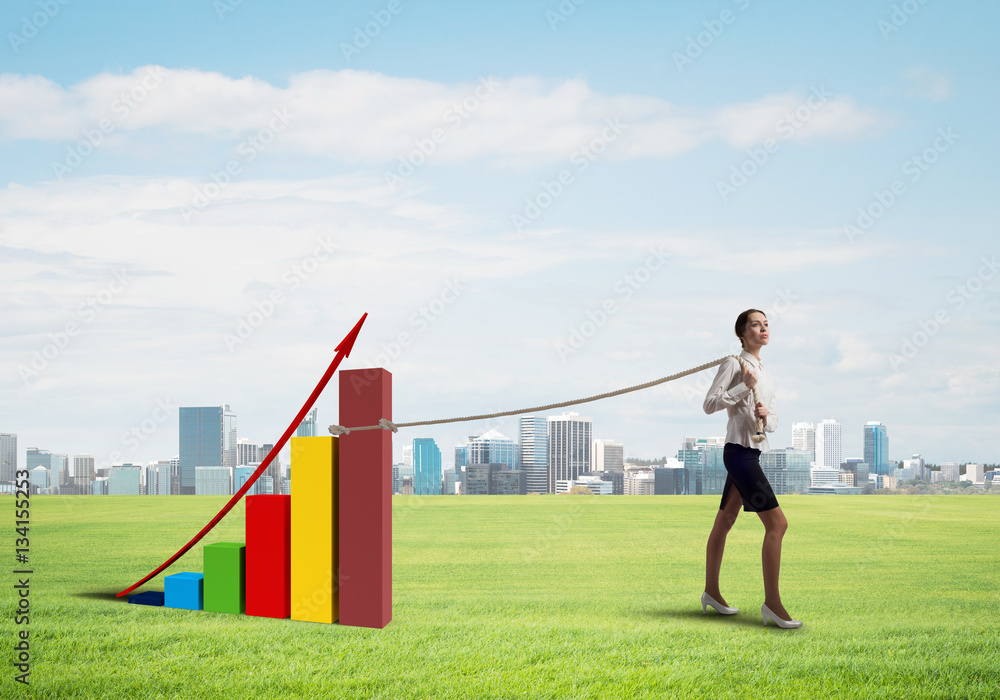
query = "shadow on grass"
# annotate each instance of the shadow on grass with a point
(742, 619)
(108, 595)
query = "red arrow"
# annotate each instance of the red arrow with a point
(343, 350)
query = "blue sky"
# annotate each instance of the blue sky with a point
(597, 159)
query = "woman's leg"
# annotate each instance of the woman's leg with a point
(775, 526)
(724, 521)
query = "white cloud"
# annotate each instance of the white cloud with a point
(366, 117)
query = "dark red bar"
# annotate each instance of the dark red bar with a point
(365, 500)
(268, 556)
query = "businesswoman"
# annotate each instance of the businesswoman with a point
(746, 483)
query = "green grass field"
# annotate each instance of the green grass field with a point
(537, 597)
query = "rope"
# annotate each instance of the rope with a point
(386, 424)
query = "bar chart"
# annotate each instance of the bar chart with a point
(323, 553)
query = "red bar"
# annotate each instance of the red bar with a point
(365, 500)
(268, 556)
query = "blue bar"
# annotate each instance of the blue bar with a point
(184, 590)
(147, 598)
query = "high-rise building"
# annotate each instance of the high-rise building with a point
(60, 471)
(158, 478)
(125, 480)
(8, 458)
(207, 439)
(247, 452)
(213, 481)
(607, 455)
(918, 466)
(491, 447)
(38, 458)
(787, 470)
(408, 455)
(702, 459)
(859, 468)
(307, 428)
(240, 477)
(426, 467)
(829, 444)
(83, 474)
(273, 471)
(569, 447)
(877, 448)
(40, 479)
(949, 471)
(534, 453)
(804, 438)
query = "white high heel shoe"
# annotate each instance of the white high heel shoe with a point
(766, 612)
(707, 600)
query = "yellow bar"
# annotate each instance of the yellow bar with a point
(314, 592)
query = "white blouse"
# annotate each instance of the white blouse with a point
(728, 391)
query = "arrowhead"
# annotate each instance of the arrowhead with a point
(348, 342)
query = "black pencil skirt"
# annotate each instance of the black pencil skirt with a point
(743, 471)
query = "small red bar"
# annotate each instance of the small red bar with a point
(365, 500)
(268, 556)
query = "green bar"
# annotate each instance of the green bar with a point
(225, 567)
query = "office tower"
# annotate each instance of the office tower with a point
(668, 480)
(787, 470)
(273, 471)
(408, 455)
(859, 468)
(38, 458)
(704, 467)
(829, 444)
(974, 473)
(569, 447)
(242, 474)
(877, 448)
(492, 447)
(60, 470)
(207, 439)
(460, 460)
(83, 474)
(426, 467)
(158, 478)
(125, 480)
(8, 458)
(804, 438)
(213, 481)
(949, 471)
(534, 453)
(39, 478)
(247, 452)
(307, 428)
(641, 483)
(918, 467)
(608, 455)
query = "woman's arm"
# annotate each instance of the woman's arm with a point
(719, 396)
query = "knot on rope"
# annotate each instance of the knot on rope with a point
(387, 424)
(339, 430)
